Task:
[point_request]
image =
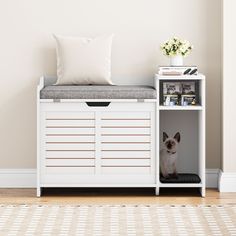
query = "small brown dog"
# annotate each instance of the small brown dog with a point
(168, 156)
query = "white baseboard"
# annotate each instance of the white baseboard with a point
(227, 182)
(212, 176)
(26, 178)
(18, 178)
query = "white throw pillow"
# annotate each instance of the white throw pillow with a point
(83, 60)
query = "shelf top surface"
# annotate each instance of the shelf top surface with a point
(180, 77)
(196, 107)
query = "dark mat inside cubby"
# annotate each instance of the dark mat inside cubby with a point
(182, 178)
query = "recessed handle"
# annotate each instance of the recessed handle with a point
(98, 104)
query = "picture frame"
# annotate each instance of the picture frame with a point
(172, 88)
(188, 88)
(188, 100)
(171, 100)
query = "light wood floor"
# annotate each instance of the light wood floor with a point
(114, 196)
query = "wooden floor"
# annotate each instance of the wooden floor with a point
(114, 196)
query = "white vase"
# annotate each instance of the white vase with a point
(176, 60)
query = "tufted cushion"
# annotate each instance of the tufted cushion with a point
(97, 92)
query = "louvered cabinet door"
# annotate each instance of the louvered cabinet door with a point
(97, 146)
(68, 144)
(126, 143)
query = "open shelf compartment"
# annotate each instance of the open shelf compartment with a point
(179, 91)
(190, 162)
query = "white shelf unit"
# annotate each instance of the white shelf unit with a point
(190, 122)
(135, 155)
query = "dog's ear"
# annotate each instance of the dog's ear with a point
(165, 136)
(177, 137)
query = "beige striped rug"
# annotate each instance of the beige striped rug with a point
(117, 220)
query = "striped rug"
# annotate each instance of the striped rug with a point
(117, 220)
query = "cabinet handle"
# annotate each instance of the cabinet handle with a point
(98, 104)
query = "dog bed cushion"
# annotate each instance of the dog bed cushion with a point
(182, 178)
(97, 92)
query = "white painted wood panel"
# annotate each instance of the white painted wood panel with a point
(125, 115)
(69, 162)
(103, 180)
(152, 144)
(125, 146)
(69, 139)
(81, 131)
(122, 106)
(125, 154)
(68, 171)
(126, 162)
(70, 146)
(70, 123)
(70, 154)
(125, 139)
(126, 171)
(69, 115)
(98, 143)
(183, 77)
(125, 131)
(125, 123)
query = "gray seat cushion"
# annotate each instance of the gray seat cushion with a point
(97, 92)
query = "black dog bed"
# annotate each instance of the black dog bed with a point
(183, 178)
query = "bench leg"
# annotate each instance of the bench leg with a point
(203, 192)
(157, 189)
(38, 191)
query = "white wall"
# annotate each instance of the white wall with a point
(27, 51)
(229, 84)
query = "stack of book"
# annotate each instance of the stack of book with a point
(177, 70)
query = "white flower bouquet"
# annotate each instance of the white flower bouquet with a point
(176, 47)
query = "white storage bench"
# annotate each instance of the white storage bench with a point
(96, 136)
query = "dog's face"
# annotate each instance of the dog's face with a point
(171, 144)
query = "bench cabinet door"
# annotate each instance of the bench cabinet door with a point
(126, 143)
(83, 144)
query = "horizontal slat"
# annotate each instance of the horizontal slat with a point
(126, 170)
(126, 162)
(125, 123)
(124, 131)
(70, 154)
(71, 146)
(70, 123)
(68, 131)
(68, 139)
(70, 115)
(123, 154)
(125, 139)
(125, 115)
(126, 146)
(69, 162)
(70, 170)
